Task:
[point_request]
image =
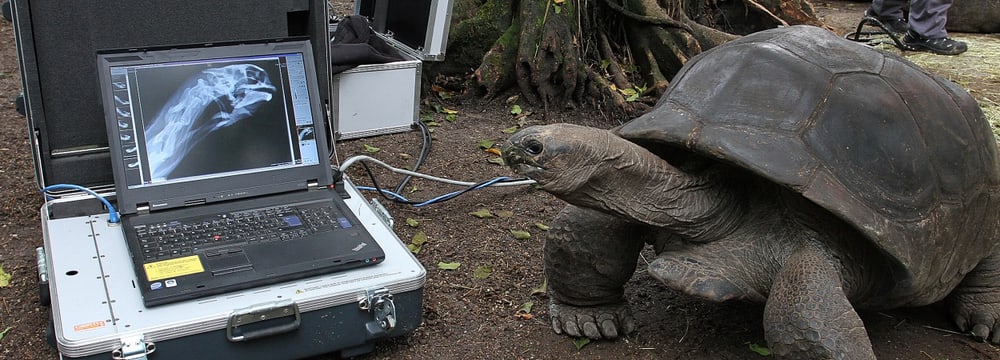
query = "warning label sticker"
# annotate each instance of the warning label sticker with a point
(88, 326)
(173, 268)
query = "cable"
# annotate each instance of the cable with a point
(424, 150)
(401, 199)
(350, 161)
(112, 214)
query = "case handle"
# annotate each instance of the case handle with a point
(263, 320)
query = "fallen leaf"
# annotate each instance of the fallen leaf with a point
(580, 342)
(510, 130)
(494, 151)
(497, 160)
(541, 289)
(448, 111)
(414, 248)
(451, 117)
(4, 277)
(5, 331)
(525, 316)
(411, 222)
(482, 213)
(520, 234)
(516, 109)
(419, 238)
(486, 144)
(526, 308)
(449, 265)
(482, 272)
(371, 149)
(505, 213)
(760, 350)
(543, 227)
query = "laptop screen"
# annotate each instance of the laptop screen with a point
(208, 124)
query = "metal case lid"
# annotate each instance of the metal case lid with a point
(421, 25)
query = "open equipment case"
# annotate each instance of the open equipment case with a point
(85, 268)
(376, 99)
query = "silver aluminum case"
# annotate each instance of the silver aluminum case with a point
(378, 99)
(95, 305)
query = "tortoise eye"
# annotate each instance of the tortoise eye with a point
(533, 147)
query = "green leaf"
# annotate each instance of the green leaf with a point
(543, 227)
(510, 130)
(451, 117)
(482, 213)
(432, 123)
(520, 234)
(419, 238)
(486, 144)
(411, 222)
(482, 272)
(505, 213)
(541, 289)
(448, 265)
(414, 189)
(558, 9)
(371, 149)
(516, 109)
(580, 342)
(632, 97)
(5, 331)
(414, 248)
(760, 350)
(526, 308)
(497, 160)
(4, 277)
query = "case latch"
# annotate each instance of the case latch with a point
(382, 213)
(263, 320)
(133, 348)
(379, 304)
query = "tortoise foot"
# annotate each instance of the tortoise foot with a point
(978, 314)
(595, 322)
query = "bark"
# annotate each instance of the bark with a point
(615, 54)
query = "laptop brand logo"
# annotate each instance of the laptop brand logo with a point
(359, 247)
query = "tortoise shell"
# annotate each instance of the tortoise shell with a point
(904, 156)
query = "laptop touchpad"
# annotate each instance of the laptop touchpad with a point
(228, 264)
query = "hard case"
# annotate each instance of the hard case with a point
(377, 99)
(97, 311)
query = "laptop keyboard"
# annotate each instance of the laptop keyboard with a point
(226, 233)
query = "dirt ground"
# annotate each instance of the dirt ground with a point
(467, 316)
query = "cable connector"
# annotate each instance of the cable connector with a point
(112, 213)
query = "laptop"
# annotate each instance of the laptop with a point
(222, 178)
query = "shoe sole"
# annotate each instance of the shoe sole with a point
(922, 47)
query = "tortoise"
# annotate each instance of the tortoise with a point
(789, 167)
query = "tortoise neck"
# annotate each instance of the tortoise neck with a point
(644, 188)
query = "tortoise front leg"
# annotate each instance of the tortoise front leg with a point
(589, 256)
(975, 303)
(808, 315)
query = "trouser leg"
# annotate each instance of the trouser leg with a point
(929, 17)
(888, 9)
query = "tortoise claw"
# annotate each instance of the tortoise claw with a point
(595, 322)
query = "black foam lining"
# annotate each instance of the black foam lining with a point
(59, 40)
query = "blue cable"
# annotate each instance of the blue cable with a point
(438, 198)
(112, 214)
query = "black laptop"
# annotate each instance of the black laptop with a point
(221, 169)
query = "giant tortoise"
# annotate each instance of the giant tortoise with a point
(789, 167)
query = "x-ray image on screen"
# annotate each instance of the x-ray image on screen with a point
(203, 119)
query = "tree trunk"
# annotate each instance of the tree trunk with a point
(616, 53)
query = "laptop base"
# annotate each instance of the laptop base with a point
(97, 309)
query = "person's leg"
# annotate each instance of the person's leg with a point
(887, 9)
(928, 17)
(927, 28)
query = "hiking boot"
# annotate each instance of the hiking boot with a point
(940, 46)
(894, 25)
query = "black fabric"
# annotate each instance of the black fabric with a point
(355, 43)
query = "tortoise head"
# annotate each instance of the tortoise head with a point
(560, 157)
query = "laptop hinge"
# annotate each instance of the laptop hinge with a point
(133, 348)
(142, 209)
